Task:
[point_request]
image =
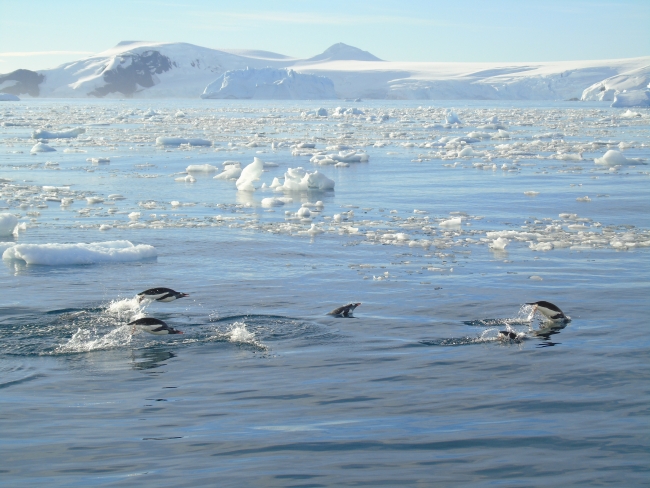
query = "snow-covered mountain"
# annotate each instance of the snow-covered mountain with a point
(165, 70)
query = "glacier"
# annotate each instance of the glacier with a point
(270, 83)
(142, 69)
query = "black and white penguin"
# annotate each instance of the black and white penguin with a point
(549, 310)
(154, 326)
(345, 310)
(161, 295)
(508, 334)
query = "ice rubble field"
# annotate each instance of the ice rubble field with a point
(432, 178)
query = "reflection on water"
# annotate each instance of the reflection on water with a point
(150, 358)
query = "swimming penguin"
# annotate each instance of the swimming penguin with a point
(161, 295)
(549, 310)
(507, 334)
(154, 326)
(345, 310)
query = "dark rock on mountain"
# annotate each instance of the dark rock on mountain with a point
(133, 73)
(26, 81)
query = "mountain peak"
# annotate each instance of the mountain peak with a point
(344, 52)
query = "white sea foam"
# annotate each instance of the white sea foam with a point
(86, 340)
(82, 253)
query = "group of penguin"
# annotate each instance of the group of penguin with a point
(155, 326)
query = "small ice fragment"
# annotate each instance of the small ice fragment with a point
(451, 222)
(531, 193)
(499, 244)
(41, 147)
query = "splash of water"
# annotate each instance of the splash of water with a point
(85, 340)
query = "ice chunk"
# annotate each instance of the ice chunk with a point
(613, 158)
(531, 193)
(231, 172)
(8, 223)
(64, 134)
(41, 147)
(201, 168)
(499, 244)
(451, 222)
(451, 117)
(250, 174)
(82, 253)
(297, 179)
(186, 179)
(272, 202)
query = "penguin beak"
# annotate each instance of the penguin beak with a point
(184, 295)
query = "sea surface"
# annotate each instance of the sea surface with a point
(264, 388)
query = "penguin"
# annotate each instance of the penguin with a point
(345, 310)
(507, 334)
(549, 310)
(160, 295)
(153, 326)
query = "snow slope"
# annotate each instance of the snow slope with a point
(161, 70)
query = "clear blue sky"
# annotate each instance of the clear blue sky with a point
(45, 33)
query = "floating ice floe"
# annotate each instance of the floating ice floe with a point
(615, 158)
(185, 179)
(177, 141)
(455, 222)
(499, 244)
(81, 253)
(231, 171)
(99, 160)
(201, 168)
(298, 179)
(64, 134)
(8, 223)
(41, 147)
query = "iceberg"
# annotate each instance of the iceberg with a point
(270, 84)
(633, 98)
(8, 97)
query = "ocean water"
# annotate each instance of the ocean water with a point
(264, 388)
